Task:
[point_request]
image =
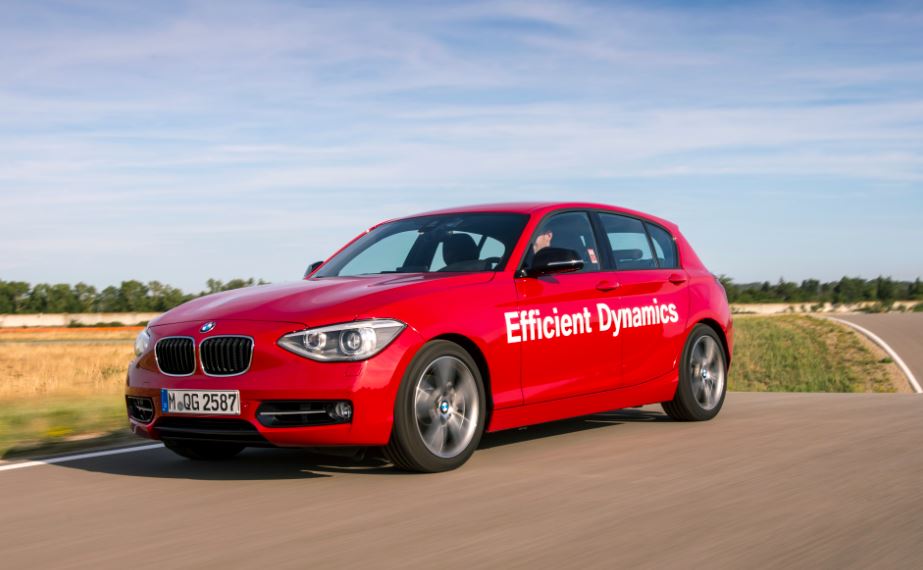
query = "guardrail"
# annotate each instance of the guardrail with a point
(68, 319)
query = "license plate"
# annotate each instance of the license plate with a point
(220, 402)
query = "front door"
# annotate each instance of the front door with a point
(564, 353)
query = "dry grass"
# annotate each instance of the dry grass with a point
(62, 385)
(30, 369)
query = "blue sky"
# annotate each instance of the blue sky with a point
(179, 141)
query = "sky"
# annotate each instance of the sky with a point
(181, 141)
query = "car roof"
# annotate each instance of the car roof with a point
(541, 208)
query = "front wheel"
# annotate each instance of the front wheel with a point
(702, 378)
(439, 412)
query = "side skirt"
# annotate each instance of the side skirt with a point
(660, 390)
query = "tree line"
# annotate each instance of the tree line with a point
(847, 290)
(19, 297)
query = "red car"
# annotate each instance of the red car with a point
(425, 332)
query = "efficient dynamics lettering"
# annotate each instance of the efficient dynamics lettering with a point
(530, 325)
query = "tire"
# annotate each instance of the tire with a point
(702, 378)
(439, 412)
(204, 451)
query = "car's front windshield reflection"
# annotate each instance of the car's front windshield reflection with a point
(459, 243)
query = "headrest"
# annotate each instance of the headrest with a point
(459, 247)
(626, 254)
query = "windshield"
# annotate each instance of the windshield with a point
(442, 243)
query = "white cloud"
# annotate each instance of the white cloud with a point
(274, 119)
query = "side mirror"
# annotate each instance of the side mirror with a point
(313, 267)
(554, 260)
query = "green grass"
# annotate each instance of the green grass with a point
(44, 426)
(803, 354)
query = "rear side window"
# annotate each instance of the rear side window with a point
(628, 240)
(664, 246)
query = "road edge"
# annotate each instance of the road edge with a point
(13, 465)
(887, 348)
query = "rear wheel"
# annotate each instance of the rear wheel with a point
(702, 378)
(439, 412)
(203, 451)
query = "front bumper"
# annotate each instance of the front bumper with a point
(277, 375)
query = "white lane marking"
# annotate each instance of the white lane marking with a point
(887, 348)
(91, 455)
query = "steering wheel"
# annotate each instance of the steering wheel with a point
(492, 261)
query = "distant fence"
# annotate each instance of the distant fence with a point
(67, 319)
(780, 308)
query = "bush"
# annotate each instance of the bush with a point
(76, 325)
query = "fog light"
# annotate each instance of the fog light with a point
(341, 411)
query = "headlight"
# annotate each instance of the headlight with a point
(357, 340)
(142, 342)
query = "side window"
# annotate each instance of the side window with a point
(664, 246)
(628, 240)
(570, 230)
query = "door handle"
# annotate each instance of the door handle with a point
(608, 286)
(677, 278)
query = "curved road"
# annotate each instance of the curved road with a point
(777, 480)
(902, 331)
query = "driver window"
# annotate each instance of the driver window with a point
(570, 230)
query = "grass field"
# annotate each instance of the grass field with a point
(806, 354)
(64, 388)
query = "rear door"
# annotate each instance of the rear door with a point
(652, 303)
(563, 352)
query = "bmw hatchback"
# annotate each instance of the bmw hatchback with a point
(425, 332)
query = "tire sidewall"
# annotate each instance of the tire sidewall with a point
(684, 389)
(405, 433)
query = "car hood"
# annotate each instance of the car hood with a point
(315, 301)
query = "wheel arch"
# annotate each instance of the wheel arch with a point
(715, 326)
(477, 354)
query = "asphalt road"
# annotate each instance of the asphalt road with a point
(777, 480)
(902, 331)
